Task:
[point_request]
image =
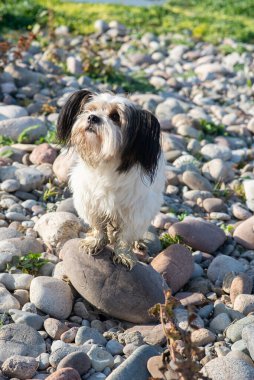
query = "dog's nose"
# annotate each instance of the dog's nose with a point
(94, 119)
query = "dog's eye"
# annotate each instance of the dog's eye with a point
(115, 117)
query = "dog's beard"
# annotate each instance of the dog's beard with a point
(96, 143)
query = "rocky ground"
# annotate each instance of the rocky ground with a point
(66, 316)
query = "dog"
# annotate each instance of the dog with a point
(118, 180)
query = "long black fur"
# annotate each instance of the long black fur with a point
(69, 114)
(142, 142)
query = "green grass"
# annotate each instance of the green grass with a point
(30, 263)
(211, 129)
(210, 20)
(167, 240)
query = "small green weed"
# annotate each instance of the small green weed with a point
(50, 138)
(238, 67)
(23, 137)
(167, 240)
(249, 83)
(30, 263)
(220, 191)
(227, 228)
(212, 129)
(239, 191)
(182, 216)
(51, 192)
(4, 140)
(6, 154)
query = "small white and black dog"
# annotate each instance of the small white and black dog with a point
(118, 180)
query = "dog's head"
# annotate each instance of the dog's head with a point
(104, 127)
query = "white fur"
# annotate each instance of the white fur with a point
(102, 192)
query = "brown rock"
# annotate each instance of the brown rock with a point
(244, 233)
(55, 328)
(151, 334)
(198, 234)
(65, 374)
(188, 298)
(175, 263)
(202, 337)
(63, 164)
(19, 366)
(244, 303)
(69, 336)
(156, 367)
(43, 153)
(240, 212)
(77, 360)
(241, 284)
(113, 289)
(195, 181)
(214, 205)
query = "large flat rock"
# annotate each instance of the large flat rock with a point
(113, 289)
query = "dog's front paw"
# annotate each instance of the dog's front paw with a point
(91, 245)
(124, 256)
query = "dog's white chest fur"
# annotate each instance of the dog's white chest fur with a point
(102, 193)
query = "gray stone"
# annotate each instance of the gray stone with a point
(12, 112)
(248, 338)
(22, 76)
(16, 280)
(152, 241)
(29, 178)
(16, 216)
(221, 265)
(74, 65)
(8, 233)
(7, 301)
(27, 244)
(135, 366)
(33, 320)
(220, 323)
(85, 334)
(57, 227)
(114, 347)
(212, 151)
(168, 109)
(101, 26)
(23, 367)
(20, 341)
(218, 170)
(228, 368)
(61, 352)
(100, 358)
(52, 296)
(7, 252)
(43, 360)
(234, 331)
(10, 185)
(114, 289)
(67, 206)
(78, 360)
(32, 127)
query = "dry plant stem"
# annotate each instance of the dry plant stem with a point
(185, 358)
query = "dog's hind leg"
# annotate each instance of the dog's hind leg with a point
(123, 254)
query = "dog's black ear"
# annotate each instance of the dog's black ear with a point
(69, 113)
(141, 137)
